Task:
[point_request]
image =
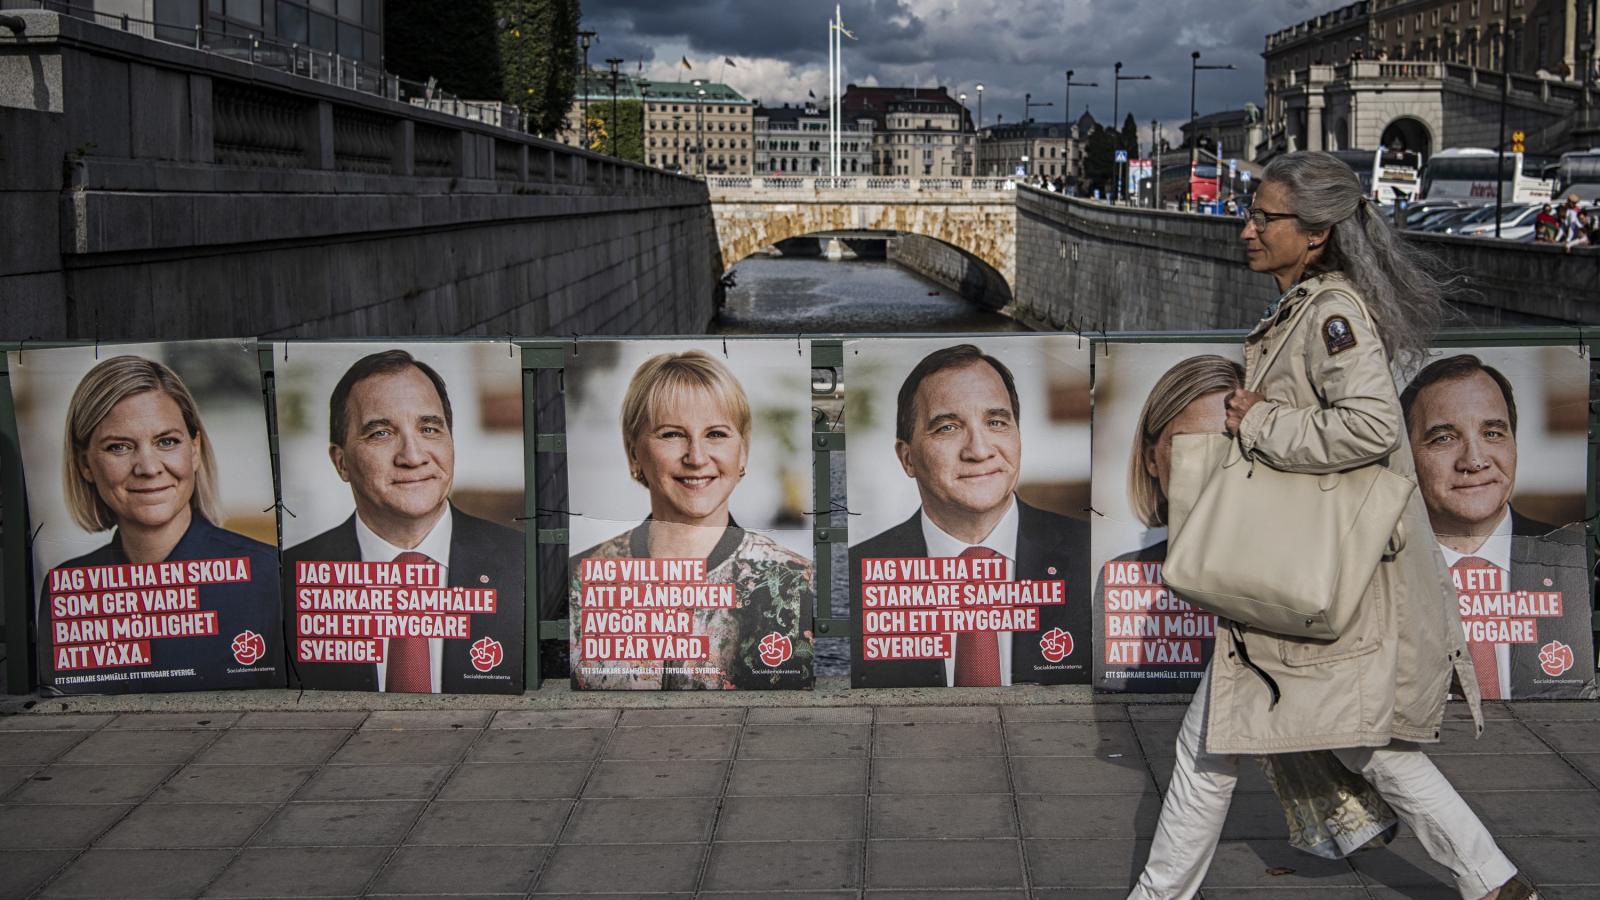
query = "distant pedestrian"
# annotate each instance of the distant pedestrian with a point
(1571, 228)
(1546, 226)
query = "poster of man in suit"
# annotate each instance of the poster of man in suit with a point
(402, 474)
(1147, 639)
(967, 471)
(149, 485)
(1498, 436)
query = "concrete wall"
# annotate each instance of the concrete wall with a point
(165, 192)
(958, 271)
(1087, 266)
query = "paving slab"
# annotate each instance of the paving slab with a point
(947, 714)
(116, 747)
(614, 868)
(11, 776)
(325, 824)
(1275, 865)
(944, 864)
(765, 777)
(90, 784)
(260, 746)
(176, 826)
(460, 870)
(621, 778)
(1088, 816)
(554, 718)
(946, 816)
(22, 871)
(348, 719)
(938, 739)
(682, 717)
(538, 744)
(674, 820)
(299, 872)
(426, 720)
(490, 822)
(44, 722)
(136, 874)
(395, 747)
(785, 866)
(1066, 712)
(56, 826)
(1537, 813)
(1523, 772)
(174, 721)
(1081, 775)
(515, 781)
(19, 748)
(940, 775)
(1104, 739)
(826, 715)
(668, 742)
(1093, 863)
(232, 784)
(402, 782)
(839, 817)
(818, 741)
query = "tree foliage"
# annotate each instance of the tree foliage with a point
(1099, 158)
(1129, 138)
(538, 51)
(627, 129)
(459, 49)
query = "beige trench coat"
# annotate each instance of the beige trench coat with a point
(1331, 406)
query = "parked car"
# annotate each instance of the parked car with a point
(1512, 223)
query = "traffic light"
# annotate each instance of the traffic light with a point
(1517, 139)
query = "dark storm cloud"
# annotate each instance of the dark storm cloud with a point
(1012, 46)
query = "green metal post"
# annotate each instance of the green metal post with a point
(17, 615)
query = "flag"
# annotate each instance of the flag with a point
(686, 64)
(811, 94)
(730, 62)
(842, 29)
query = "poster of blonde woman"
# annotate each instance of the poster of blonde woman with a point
(150, 486)
(402, 473)
(1148, 639)
(968, 473)
(1499, 436)
(689, 479)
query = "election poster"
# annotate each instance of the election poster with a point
(149, 483)
(689, 485)
(967, 468)
(402, 481)
(1146, 638)
(1499, 436)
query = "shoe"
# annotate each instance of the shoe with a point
(1518, 888)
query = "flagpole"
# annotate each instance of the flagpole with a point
(838, 83)
(830, 95)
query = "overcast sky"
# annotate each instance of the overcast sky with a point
(779, 48)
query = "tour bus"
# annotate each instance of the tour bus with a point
(1579, 173)
(1469, 174)
(1205, 181)
(1386, 175)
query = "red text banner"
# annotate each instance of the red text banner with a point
(1145, 624)
(345, 610)
(1492, 613)
(642, 609)
(912, 607)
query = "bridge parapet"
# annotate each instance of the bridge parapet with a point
(870, 188)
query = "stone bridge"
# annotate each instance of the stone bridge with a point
(977, 216)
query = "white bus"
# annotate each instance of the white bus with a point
(1469, 174)
(1579, 173)
(1386, 175)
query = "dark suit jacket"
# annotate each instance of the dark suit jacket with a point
(482, 555)
(1540, 551)
(1044, 540)
(252, 605)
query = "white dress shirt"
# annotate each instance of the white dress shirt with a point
(436, 546)
(1002, 540)
(1496, 550)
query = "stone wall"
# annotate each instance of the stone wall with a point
(1091, 267)
(960, 272)
(166, 192)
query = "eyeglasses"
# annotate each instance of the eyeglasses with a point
(1260, 217)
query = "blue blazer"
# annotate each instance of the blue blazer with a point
(249, 605)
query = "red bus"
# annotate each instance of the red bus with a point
(1205, 182)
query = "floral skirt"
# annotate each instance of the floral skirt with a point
(1331, 811)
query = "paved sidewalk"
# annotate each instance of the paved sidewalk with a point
(722, 801)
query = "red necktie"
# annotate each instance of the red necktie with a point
(409, 671)
(978, 652)
(1482, 652)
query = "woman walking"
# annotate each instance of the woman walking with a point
(1354, 303)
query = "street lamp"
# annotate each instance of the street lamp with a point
(700, 118)
(1500, 150)
(584, 37)
(1028, 104)
(1066, 110)
(1155, 153)
(614, 62)
(1194, 138)
(966, 148)
(1116, 113)
(980, 104)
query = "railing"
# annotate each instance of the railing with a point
(307, 62)
(792, 183)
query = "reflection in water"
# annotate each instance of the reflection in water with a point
(817, 296)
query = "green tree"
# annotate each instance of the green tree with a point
(627, 129)
(459, 49)
(1099, 158)
(1129, 138)
(539, 58)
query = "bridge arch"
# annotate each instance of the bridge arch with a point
(977, 216)
(1408, 133)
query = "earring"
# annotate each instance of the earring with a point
(741, 473)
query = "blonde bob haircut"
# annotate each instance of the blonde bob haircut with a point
(1182, 384)
(665, 377)
(106, 385)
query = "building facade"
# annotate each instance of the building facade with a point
(593, 95)
(352, 29)
(917, 132)
(1234, 133)
(696, 127)
(1049, 149)
(793, 140)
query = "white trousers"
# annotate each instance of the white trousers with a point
(1202, 787)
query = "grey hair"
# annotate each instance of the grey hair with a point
(1397, 280)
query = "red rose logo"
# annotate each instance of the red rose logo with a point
(248, 647)
(775, 649)
(1056, 645)
(1555, 658)
(486, 654)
